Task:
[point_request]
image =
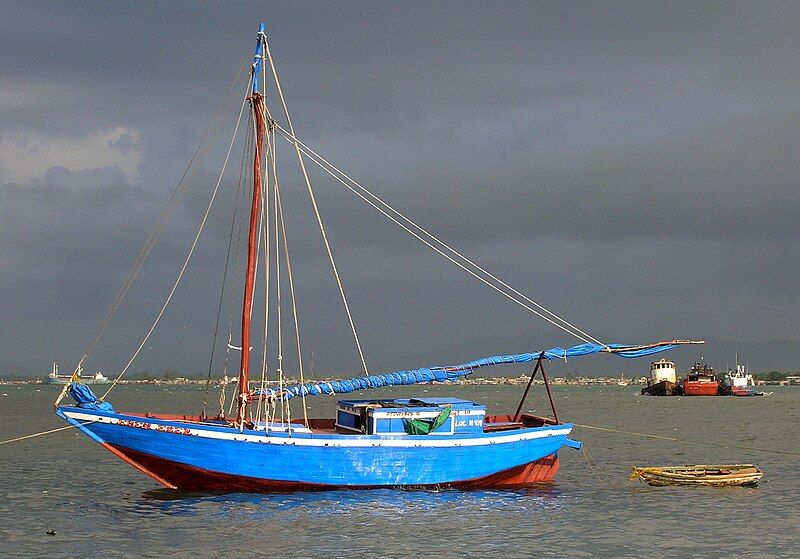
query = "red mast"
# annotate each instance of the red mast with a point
(259, 111)
(257, 101)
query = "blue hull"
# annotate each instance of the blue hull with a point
(191, 455)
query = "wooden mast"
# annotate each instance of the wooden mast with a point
(259, 111)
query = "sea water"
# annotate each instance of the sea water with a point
(99, 506)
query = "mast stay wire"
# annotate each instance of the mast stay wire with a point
(314, 205)
(286, 416)
(155, 233)
(292, 295)
(188, 256)
(265, 224)
(237, 264)
(261, 226)
(234, 219)
(264, 230)
(385, 208)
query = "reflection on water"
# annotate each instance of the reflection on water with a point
(100, 506)
(388, 503)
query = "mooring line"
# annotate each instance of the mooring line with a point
(24, 437)
(693, 441)
(596, 469)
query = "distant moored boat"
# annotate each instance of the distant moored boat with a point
(738, 382)
(701, 381)
(55, 378)
(663, 380)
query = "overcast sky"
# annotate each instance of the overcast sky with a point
(632, 166)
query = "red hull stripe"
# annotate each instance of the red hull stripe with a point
(175, 475)
(125, 455)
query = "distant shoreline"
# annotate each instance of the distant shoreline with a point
(492, 381)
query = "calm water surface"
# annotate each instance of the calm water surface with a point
(101, 507)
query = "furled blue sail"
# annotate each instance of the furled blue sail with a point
(454, 372)
(85, 398)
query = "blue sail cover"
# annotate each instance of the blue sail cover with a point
(85, 398)
(454, 372)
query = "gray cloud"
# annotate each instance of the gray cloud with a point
(633, 166)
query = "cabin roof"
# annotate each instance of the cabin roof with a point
(456, 403)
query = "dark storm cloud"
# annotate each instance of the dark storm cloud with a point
(632, 165)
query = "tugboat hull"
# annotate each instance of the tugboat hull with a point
(700, 388)
(663, 388)
(743, 391)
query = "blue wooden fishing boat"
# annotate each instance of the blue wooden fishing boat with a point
(467, 450)
(388, 442)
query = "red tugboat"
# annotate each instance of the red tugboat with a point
(701, 381)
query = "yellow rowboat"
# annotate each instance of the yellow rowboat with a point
(715, 476)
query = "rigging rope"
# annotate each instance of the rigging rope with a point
(286, 415)
(31, 436)
(236, 264)
(266, 247)
(264, 228)
(314, 206)
(516, 296)
(162, 220)
(237, 203)
(188, 256)
(291, 293)
(706, 442)
(261, 224)
(370, 198)
(595, 468)
(155, 233)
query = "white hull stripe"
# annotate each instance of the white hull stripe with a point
(343, 440)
